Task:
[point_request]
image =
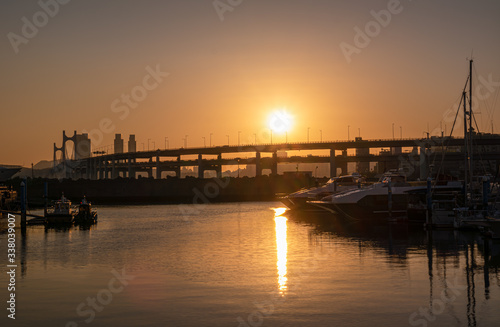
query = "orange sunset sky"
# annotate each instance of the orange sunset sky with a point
(223, 67)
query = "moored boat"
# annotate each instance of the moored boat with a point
(477, 208)
(60, 213)
(8, 198)
(85, 214)
(299, 200)
(384, 199)
(445, 196)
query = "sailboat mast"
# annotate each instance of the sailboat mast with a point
(470, 122)
(466, 146)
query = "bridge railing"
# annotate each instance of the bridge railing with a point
(259, 145)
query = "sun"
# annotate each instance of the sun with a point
(280, 121)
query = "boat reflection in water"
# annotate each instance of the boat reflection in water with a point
(462, 267)
(281, 248)
(243, 264)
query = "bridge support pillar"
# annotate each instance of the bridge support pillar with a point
(158, 169)
(99, 169)
(114, 171)
(258, 166)
(87, 168)
(106, 169)
(274, 168)
(424, 172)
(343, 165)
(94, 168)
(218, 168)
(149, 170)
(201, 170)
(178, 169)
(131, 173)
(103, 169)
(333, 166)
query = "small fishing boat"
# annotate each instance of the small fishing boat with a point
(60, 213)
(85, 214)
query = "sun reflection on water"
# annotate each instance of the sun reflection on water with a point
(281, 247)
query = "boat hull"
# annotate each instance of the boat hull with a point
(84, 218)
(495, 229)
(299, 203)
(59, 219)
(368, 206)
(355, 212)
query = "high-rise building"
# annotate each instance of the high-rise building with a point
(82, 146)
(132, 146)
(118, 143)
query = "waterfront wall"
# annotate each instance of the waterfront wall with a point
(170, 190)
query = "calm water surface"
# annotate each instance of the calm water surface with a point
(244, 264)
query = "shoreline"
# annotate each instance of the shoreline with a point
(145, 191)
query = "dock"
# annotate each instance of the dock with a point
(36, 219)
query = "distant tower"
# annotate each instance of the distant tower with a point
(82, 146)
(132, 144)
(63, 147)
(63, 154)
(81, 150)
(118, 143)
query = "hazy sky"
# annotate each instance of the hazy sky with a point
(161, 69)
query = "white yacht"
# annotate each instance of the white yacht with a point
(299, 200)
(372, 201)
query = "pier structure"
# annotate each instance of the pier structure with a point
(417, 157)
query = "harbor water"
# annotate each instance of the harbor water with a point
(248, 264)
